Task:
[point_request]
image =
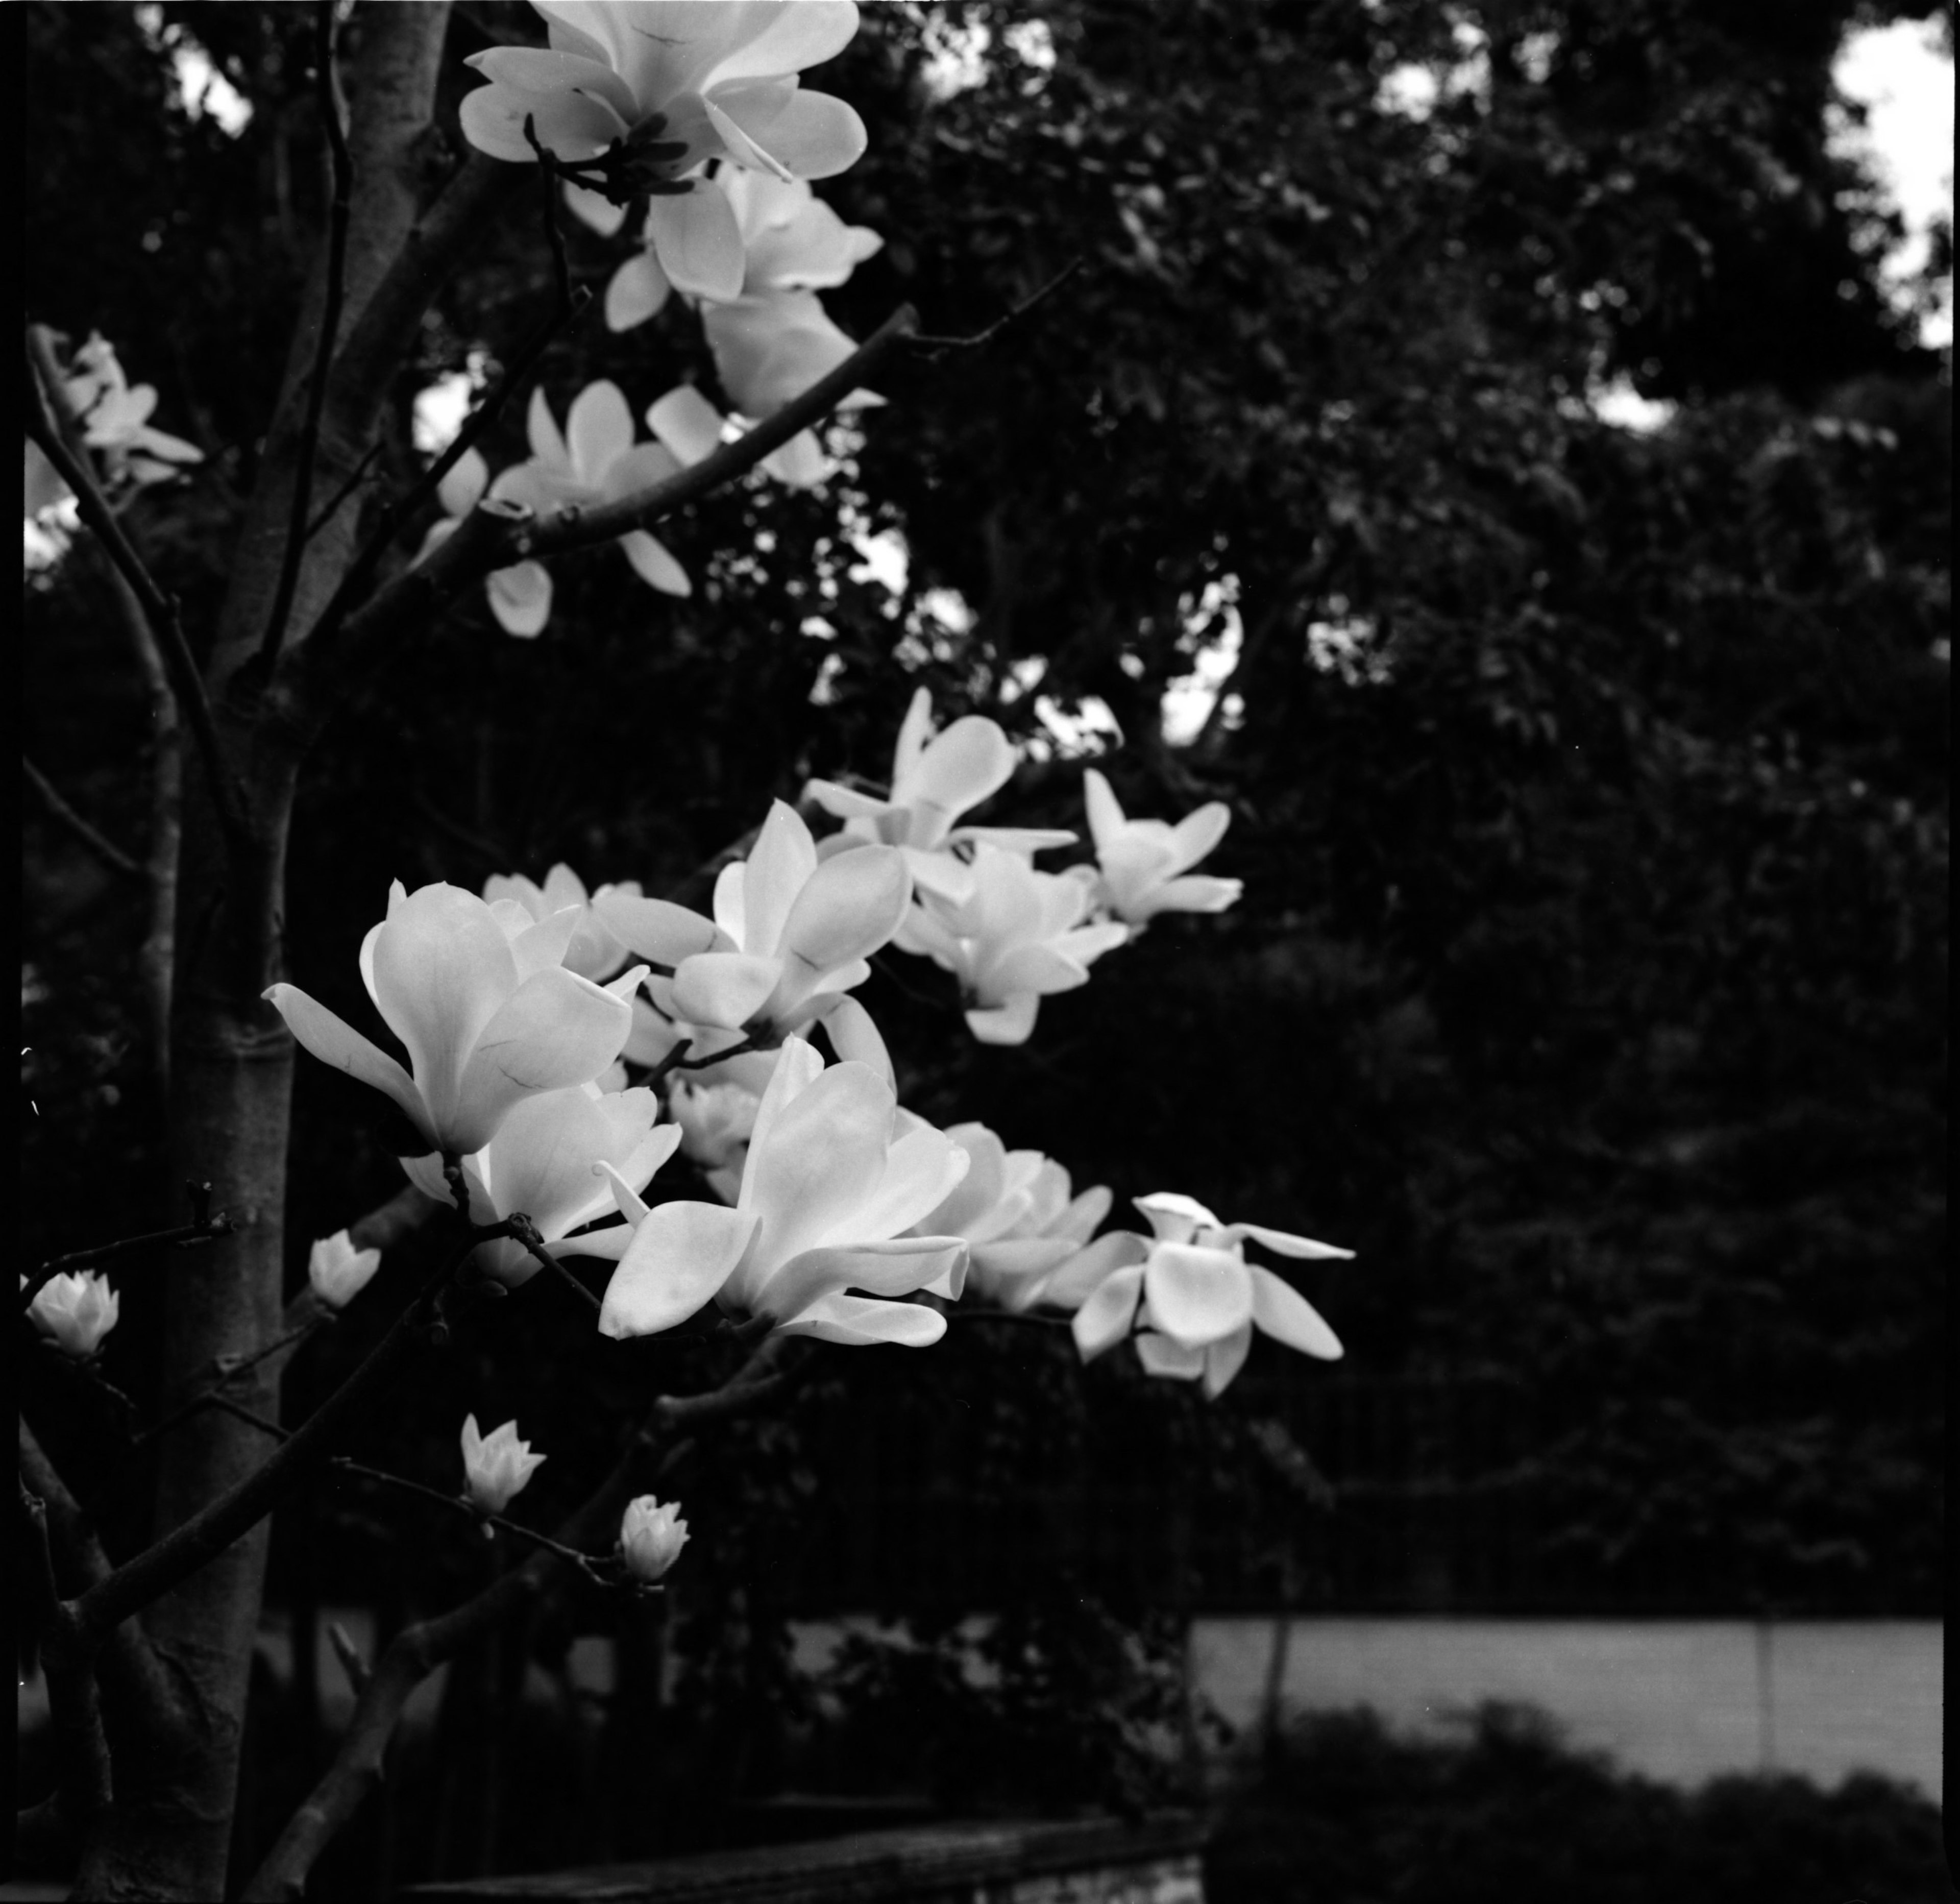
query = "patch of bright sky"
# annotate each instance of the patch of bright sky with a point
(1188, 700)
(1902, 74)
(202, 90)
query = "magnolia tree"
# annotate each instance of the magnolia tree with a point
(571, 1062)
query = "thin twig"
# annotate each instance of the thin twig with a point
(936, 344)
(73, 1699)
(348, 1655)
(524, 1232)
(221, 1521)
(1009, 1315)
(554, 235)
(161, 610)
(659, 1074)
(181, 1237)
(716, 1058)
(103, 848)
(587, 1563)
(325, 17)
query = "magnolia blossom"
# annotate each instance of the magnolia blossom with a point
(935, 778)
(116, 419)
(1017, 936)
(1199, 1299)
(788, 942)
(716, 1121)
(75, 1312)
(674, 83)
(548, 1161)
(496, 1466)
(594, 953)
(1143, 865)
(338, 1271)
(488, 1020)
(827, 1196)
(519, 596)
(650, 1537)
(1014, 1209)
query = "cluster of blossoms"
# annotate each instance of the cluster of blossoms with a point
(699, 108)
(833, 1212)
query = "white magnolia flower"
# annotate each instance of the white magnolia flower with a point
(788, 941)
(593, 461)
(116, 419)
(652, 1537)
(1143, 865)
(935, 778)
(338, 1271)
(676, 84)
(594, 953)
(487, 1021)
(1201, 1299)
(828, 1195)
(548, 1161)
(1014, 1209)
(519, 596)
(496, 1466)
(75, 1312)
(1016, 936)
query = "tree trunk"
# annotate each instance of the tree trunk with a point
(168, 1834)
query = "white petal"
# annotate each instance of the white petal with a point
(1105, 1318)
(686, 423)
(679, 1259)
(557, 1029)
(724, 988)
(861, 1321)
(1223, 1361)
(521, 597)
(637, 291)
(334, 1042)
(1161, 1356)
(698, 243)
(1287, 1317)
(1289, 1245)
(654, 565)
(1010, 1023)
(1197, 1295)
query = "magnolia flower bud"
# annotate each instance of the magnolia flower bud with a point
(496, 1466)
(339, 1272)
(652, 1537)
(75, 1312)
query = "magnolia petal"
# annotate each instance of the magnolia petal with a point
(468, 476)
(921, 1169)
(894, 1268)
(1105, 1316)
(1161, 1356)
(598, 431)
(572, 125)
(637, 291)
(1077, 1279)
(793, 1070)
(442, 971)
(847, 803)
(595, 210)
(698, 243)
(1036, 968)
(541, 943)
(819, 1159)
(1021, 1259)
(945, 875)
(680, 1256)
(686, 423)
(1289, 1245)
(1026, 841)
(724, 988)
(848, 907)
(1287, 1317)
(973, 759)
(521, 597)
(804, 135)
(856, 1039)
(556, 1029)
(626, 1197)
(1010, 1023)
(1174, 1218)
(535, 69)
(334, 1042)
(1196, 834)
(654, 565)
(780, 865)
(1222, 1361)
(1195, 892)
(861, 1322)
(1079, 1219)
(800, 463)
(805, 34)
(657, 929)
(1105, 816)
(1197, 1295)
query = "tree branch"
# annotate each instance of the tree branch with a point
(202, 1231)
(497, 535)
(104, 848)
(418, 1649)
(326, 15)
(158, 607)
(82, 1748)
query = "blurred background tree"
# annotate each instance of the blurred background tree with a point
(1588, 782)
